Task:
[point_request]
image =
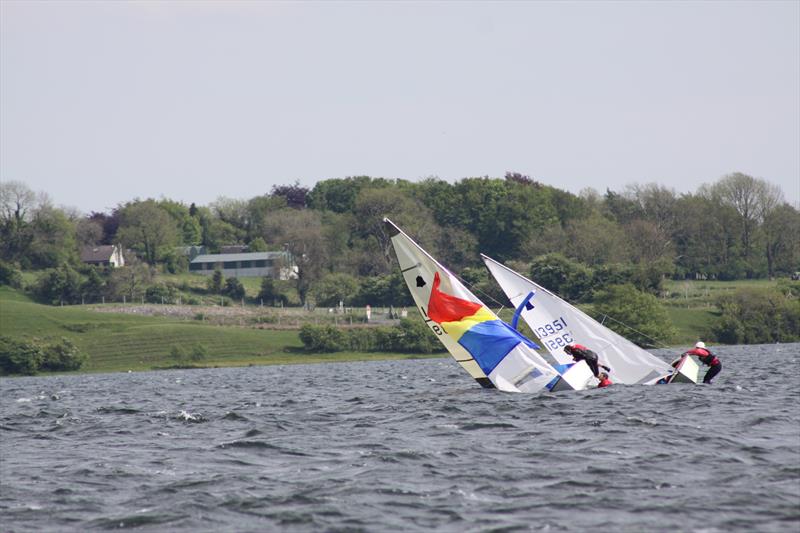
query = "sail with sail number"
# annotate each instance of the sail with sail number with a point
(557, 323)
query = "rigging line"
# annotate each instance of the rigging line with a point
(655, 341)
(473, 288)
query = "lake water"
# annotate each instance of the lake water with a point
(400, 446)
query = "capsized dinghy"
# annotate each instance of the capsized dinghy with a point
(491, 351)
(557, 323)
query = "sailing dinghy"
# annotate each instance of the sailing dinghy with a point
(491, 351)
(557, 323)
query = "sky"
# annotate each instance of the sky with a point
(105, 102)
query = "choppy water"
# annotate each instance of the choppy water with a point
(405, 446)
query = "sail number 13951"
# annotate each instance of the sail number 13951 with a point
(558, 338)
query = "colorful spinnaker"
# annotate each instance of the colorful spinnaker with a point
(557, 323)
(492, 352)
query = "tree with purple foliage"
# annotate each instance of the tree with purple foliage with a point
(296, 196)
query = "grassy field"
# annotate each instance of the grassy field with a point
(117, 341)
(125, 341)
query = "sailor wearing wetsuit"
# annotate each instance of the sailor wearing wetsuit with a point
(707, 358)
(580, 353)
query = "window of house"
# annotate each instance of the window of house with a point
(246, 264)
(230, 264)
(261, 263)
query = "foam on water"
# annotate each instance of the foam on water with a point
(354, 446)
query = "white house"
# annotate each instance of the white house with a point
(109, 255)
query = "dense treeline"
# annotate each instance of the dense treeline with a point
(739, 227)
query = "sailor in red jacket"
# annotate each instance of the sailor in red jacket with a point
(707, 358)
(604, 381)
(580, 353)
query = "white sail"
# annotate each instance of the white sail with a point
(557, 323)
(489, 350)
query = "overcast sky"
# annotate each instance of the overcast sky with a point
(104, 102)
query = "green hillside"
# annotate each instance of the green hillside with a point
(120, 342)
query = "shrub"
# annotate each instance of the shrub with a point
(410, 336)
(322, 338)
(59, 285)
(178, 353)
(755, 316)
(160, 293)
(19, 357)
(270, 294)
(233, 288)
(636, 315)
(10, 275)
(199, 352)
(63, 355)
(214, 283)
(565, 277)
(335, 288)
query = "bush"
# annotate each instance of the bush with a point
(199, 352)
(63, 355)
(59, 285)
(322, 338)
(178, 353)
(565, 277)
(28, 357)
(335, 288)
(383, 290)
(270, 294)
(411, 336)
(214, 283)
(19, 357)
(233, 288)
(756, 316)
(160, 293)
(10, 275)
(635, 315)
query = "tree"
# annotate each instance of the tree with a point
(189, 230)
(295, 195)
(147, 228)
(233, 288)
(706, 237)
(339, 195)
(257, 245)
(647, 241)
(94, 287)
(214, 283)
(59, 285)
(570, 280)
(129, 281)
(269, 293)
(53, 239)
(334, 288)
(88, 232)
(596, 240)
(17, 204)
(757, 316)
(633, 314)
(372, 205)
(753, 199)
(303, 235)
(782, 240)
(257, 209)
